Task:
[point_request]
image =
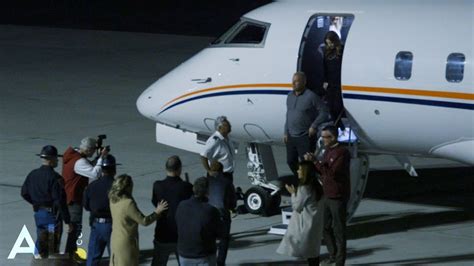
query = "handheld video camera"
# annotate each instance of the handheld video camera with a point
(100, 147)
(100, 141)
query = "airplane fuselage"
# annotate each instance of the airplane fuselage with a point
(426, 111)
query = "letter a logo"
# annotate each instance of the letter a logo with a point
(17, 248)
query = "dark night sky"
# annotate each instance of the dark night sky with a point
(190, 17)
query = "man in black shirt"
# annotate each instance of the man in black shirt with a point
(96, 200)
(173, 190)
(199, 225)
(44, 190)
(222, 196)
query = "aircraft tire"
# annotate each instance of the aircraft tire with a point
(275, 204)
(257, 199)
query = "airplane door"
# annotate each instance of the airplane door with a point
(311, 53)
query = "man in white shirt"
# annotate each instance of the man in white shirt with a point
(218, 147)
(77, 172)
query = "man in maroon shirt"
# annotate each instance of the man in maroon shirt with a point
(334, 169)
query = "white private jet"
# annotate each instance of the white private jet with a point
(407, 81)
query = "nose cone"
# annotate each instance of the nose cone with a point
(145, 104)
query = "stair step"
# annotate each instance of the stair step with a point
(278, 229)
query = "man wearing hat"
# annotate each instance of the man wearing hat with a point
(77, 170)
(96, 201)
(44, 190)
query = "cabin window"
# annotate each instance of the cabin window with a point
(247, 32)
(455, 67)
(403, 65)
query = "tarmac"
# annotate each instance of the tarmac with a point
(60, 85)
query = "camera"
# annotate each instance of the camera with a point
(100, 147)
(100, 141)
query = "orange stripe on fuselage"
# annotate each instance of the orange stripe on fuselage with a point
(271, 85)
(438, 94)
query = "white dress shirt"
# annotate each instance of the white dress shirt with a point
(221, 149)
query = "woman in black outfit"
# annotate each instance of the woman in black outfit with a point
(332, 75)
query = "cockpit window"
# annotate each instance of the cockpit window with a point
(226, 34)
(246, 32)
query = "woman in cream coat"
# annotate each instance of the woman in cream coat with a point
(125, 219)
(303, 236)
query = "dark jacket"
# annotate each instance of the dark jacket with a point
(96, 198)
(173, 190)
(222, 194)
(332, 70)
(43, 188)
(332, 74)
(199, 225)
(335, 173)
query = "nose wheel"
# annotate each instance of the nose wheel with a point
(262, 197)
(258, 200)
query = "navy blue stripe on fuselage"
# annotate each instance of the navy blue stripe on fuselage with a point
(457, 105)
(226, 93)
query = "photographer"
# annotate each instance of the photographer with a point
(77, 170)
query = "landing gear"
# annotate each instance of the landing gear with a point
(263, 197)
(259, 200)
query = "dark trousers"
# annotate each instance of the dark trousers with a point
(313, 261)
(335, 103)
(296, 148)
(223, 245)
(99, 239)
(162, 253)
(75, 211)
(230, 176)
(335, 228)
(47, 233)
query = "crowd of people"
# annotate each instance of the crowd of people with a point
(189, 218)
(194, 221)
